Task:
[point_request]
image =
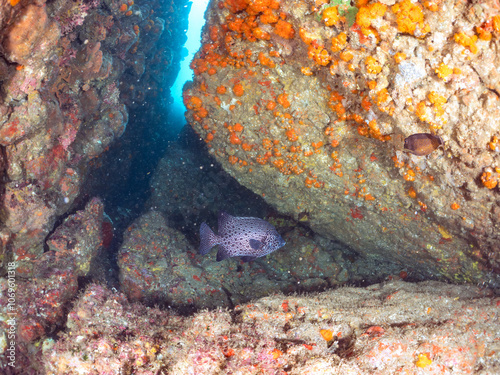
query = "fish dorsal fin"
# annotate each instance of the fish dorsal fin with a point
(255, 244)
(224, 220)
(222, 253)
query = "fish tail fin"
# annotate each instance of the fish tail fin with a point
(208, 239)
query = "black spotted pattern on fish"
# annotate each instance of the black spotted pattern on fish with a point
(246, 237)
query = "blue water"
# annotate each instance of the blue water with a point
(193, 43)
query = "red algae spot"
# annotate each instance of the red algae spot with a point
(356, 213)
(375, 331)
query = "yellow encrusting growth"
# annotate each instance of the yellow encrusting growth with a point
(398, 57)
(496, 23)
(330, 16)
(372, 65)
(443, 71)
(338, 42)
(438, 101)
(466, 41)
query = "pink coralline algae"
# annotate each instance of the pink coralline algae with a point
(51, 280)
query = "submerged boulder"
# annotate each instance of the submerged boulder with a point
(309, 103)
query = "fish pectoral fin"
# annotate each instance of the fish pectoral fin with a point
(255, 244)
(222, 254)
(248, 258)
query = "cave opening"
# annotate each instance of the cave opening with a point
(196, 21)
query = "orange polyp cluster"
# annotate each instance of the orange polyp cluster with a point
(248, 27)
(194, 103)
(409, 15)
(271, 105)
(319, 54)
(268, 17)
(283, 100)
(256, 7)
(398, 57)
(284, 29)
(438, 101)
(339, 42)
(466, 41)
(238, 90)
(443, 71)
(367, 13)
(432, 5)
(330, 16)
(291, 135)
(346, 56)
(412, 193)
(494, 144)
(409, 175)
(372, 65)
(489, 178)
(209, 137)
(484, 32)
(236, 6)
(234, 139)
(335, 104)
(261, 34)
(266, 61)
(495, 22)
(305, 70)
(123, 8)
(421, 111)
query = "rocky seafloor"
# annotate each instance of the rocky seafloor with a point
(391, 262)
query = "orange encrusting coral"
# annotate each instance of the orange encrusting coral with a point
(284, 29)
(468, 42)
(367, 13)
(238, 90)
(330, 16)
(489, 179)
(409, 16)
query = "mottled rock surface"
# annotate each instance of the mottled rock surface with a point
(68, 71)
(159, 266)
(308, 104)
(429, 327)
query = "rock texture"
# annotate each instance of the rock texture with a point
(68, 69)
(429, 327)
(308, 104)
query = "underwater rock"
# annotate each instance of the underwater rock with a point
(80, 236)
(384, 328)
(63, 69)
(299, 101)
(159, 266)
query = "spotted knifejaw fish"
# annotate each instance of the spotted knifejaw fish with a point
(245, 237)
